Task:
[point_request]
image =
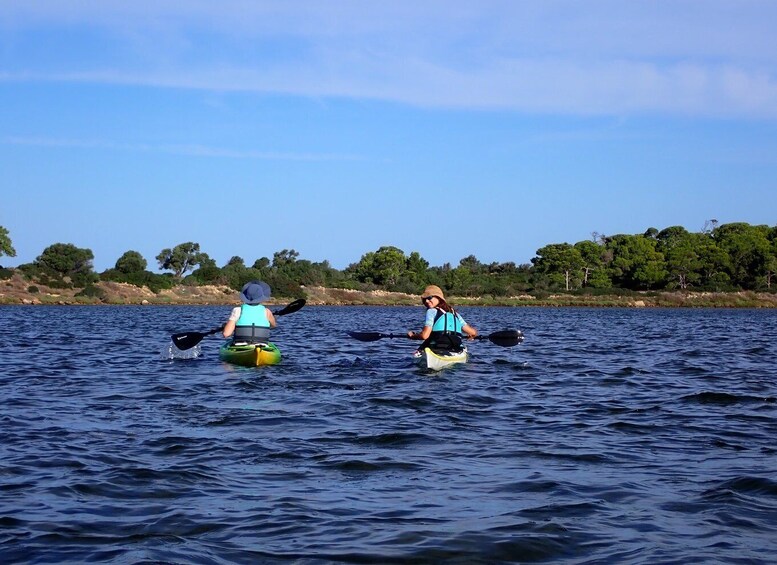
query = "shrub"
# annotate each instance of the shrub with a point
(152, 281)
(55, 283)
(32, 289)
(92, 291)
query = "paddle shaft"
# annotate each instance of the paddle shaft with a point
(505, 338)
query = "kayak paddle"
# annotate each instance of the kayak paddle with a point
(290, 308)
(187, 340)
(505, 338)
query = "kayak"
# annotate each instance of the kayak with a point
(250, 354)
(436, 361)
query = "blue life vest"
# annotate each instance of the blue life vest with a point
(252, 325)
(447, 322)
(446, 332)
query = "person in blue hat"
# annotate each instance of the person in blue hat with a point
(251, 321)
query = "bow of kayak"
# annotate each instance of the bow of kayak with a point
(250, 354)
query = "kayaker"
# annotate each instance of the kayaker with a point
(443, 327)
(251, 321)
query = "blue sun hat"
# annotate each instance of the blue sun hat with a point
(255, 292)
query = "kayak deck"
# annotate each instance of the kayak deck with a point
(250, 354)
(436, 361)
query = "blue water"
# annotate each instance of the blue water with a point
(608, 436)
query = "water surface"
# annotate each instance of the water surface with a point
(609, 435)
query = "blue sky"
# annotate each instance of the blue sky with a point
(450, 128)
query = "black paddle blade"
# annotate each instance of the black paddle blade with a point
(291, 308)
(187, 340)
(366, 336)
(506, 338)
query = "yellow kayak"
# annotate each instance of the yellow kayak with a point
(250, 354)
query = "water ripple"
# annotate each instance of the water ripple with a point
(608, 436)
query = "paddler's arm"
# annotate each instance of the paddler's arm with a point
(271, 319)
(229, 327)
(422, 335)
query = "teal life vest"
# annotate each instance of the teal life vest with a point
(252, 325)
(446, 332)
(446, 322)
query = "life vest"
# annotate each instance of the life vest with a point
(252, 325)
(446, 331)
(446, 322)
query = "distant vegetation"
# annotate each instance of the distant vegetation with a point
(727, 257)
(5, 243)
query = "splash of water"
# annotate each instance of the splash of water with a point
(171, 352)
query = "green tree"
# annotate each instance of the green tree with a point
(679, 248)
(771, 269)
(180, 259)
(416, 268)
(390, 264)
(714, 262)
(308, 273)
(6, 248)
(67, 260)
(683, 263)
(235, 274)
(561, 262)
(771, 260)
(262, 263)
(382, 267)
(208, 271)
(507, 279)
(131, 262)
(284, 258)
(459, 281)
(636, 263)
(594, 274)
(472, 264)
(748, 248)
(671, 237)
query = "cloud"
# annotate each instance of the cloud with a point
(604, 57)
(190, 149)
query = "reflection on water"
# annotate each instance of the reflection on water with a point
(609, 435)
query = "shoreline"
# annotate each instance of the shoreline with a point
(17, 291)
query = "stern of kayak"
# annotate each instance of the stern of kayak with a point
(250, 354)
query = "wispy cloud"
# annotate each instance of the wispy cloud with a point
(179, 149)
(604, 57)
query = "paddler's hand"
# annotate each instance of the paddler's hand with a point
(411, 335)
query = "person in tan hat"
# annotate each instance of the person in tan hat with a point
(443, 326)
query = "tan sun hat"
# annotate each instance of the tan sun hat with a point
(433, 290)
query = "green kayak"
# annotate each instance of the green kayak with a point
(250, 354)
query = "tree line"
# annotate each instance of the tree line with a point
(727, 257)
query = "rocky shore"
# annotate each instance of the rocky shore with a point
(17, 290)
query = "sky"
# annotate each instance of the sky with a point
(451, 128)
